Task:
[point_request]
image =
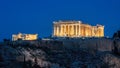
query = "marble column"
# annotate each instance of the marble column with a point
(72, 30)
(76, 30)
(57, 30)
(67, 30)
(79, 30)
(64, 30)
(61, 30)
(54, 30)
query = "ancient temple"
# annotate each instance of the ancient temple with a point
(23, 36)
(76, 29)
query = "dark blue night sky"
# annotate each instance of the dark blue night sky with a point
(37, 16)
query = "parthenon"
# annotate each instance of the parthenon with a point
(76, 29)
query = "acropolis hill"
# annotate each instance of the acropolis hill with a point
(86, 47)
(76, 29)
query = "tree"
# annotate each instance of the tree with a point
(24, 62)
(116, 34)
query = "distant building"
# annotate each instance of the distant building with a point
(24, 36)
(76, 29)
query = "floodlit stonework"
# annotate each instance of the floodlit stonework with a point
(24, 36)
(76, 29)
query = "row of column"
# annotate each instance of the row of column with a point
(67, 30)
(77, 31)
(86, 31)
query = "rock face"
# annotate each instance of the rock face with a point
(57, 54)
(116, 46)
(116, 43)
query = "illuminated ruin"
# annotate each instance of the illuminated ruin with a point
(24, 36)
(76, 29)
